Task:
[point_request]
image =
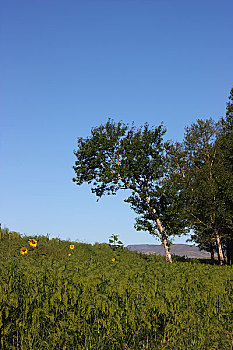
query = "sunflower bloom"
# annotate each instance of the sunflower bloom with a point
(23, 251)
(71, 246)
(113, 259)
(69, 254)
(32, 243)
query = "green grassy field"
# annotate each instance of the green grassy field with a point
(54, 297)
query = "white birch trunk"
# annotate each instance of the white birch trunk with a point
(166, 247)
(221, 257)
(167, 251)
(161, 236)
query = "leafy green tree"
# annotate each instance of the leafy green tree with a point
(224, 175)
(119, 156)
(196, 159)
(204, 166)
(229, 113)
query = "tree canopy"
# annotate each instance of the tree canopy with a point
(173, 187)
(120, 156)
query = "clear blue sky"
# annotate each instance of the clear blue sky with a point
(67, 66)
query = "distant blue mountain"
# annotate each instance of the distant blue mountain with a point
(189, 251)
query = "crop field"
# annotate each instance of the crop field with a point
(66, 295)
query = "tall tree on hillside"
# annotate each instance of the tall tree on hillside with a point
(224, 175)
(197, 167)
(204, 167)
(119, 156)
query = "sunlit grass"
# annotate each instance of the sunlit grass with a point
(93, 297)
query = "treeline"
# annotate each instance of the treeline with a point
(174, 187)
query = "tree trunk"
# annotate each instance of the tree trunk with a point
(220, 252)
(218, 255)
(212, 253)
(167, 251)
(229, 251)
(224, 256)
(161, 231)
(166, 247)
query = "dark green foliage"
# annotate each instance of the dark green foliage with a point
(224, 168)
(86, 301)
(203, 167)
(224, 176)
(117, 156)
(229, 113)
(203, 204)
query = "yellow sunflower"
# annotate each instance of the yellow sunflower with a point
(23, 251)
(113, 259)
(71, 246)
(69, 254)
(32, 243)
